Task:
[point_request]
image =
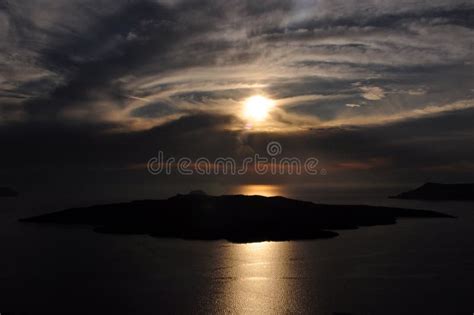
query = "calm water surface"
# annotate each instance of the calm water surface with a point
(414, 267)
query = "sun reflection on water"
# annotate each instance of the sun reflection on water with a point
(256, 286)
(257, 247)
(262, 190)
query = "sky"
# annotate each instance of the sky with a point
(381, 92)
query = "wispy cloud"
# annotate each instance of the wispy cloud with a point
(101, 62)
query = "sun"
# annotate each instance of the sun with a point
(257, 107)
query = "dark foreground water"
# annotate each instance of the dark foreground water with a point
(423, 266)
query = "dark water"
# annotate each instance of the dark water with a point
(423, 266)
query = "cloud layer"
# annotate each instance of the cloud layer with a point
(368, 86)
(143, 63)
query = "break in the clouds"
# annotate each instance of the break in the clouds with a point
(140, 64)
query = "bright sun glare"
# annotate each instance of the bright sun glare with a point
(257, 107)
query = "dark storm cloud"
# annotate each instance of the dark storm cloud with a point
(435, 148)
(38, 144)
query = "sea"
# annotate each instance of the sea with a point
(417, 266)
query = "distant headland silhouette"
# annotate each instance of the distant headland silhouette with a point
(237, 218)
(435, 191)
